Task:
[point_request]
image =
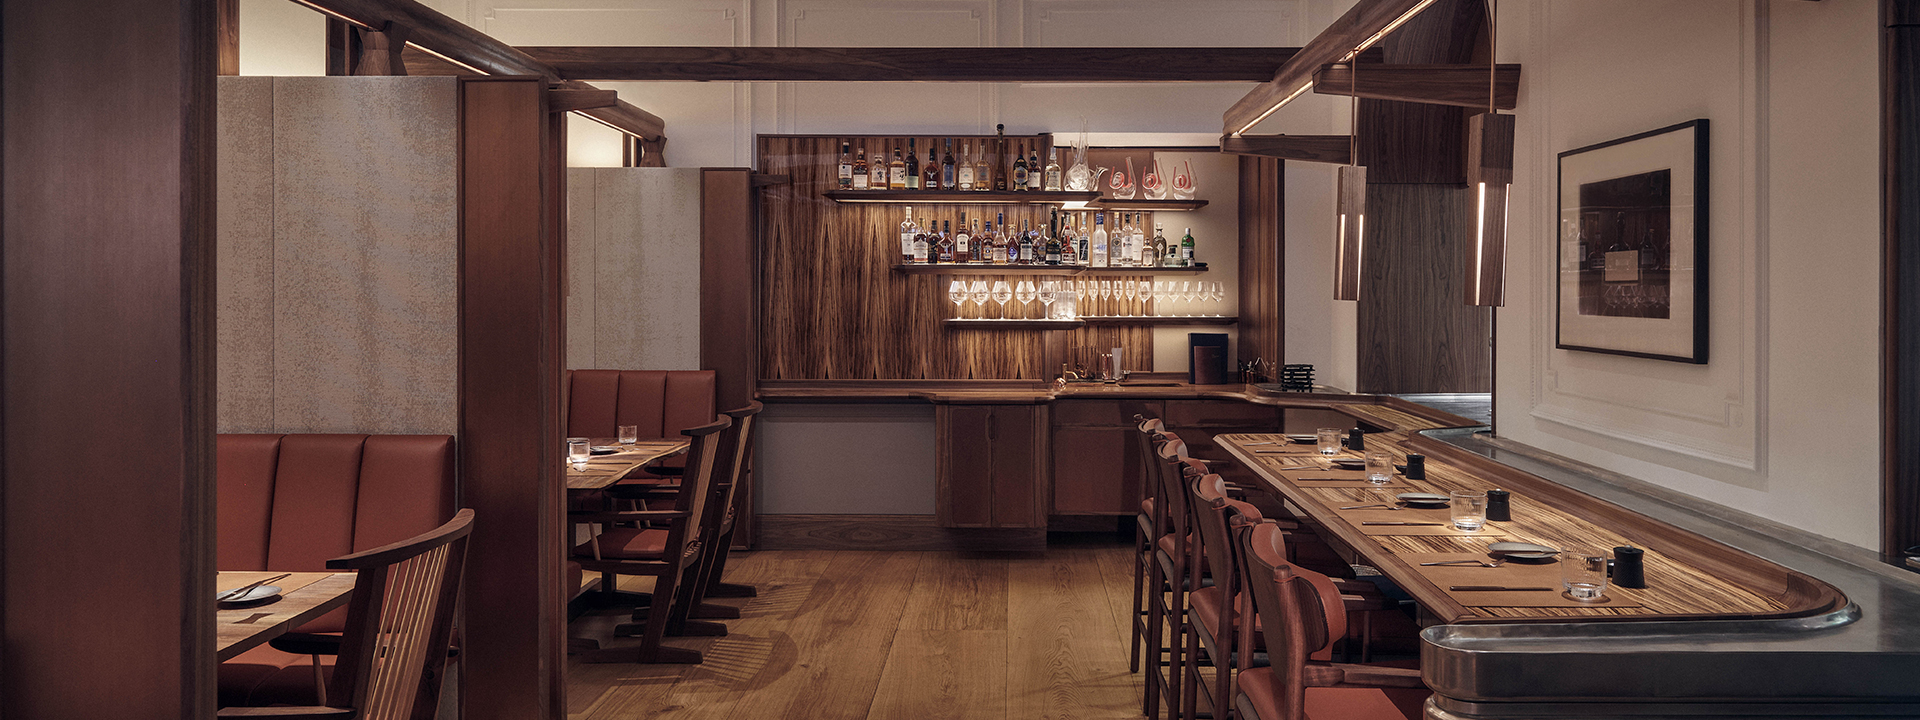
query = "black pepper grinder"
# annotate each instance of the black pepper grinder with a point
(1356, 440)
(1499, 506)
(1629, 567)
(1416, 466)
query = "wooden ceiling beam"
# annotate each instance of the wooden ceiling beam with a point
(1460, 85)
(873, 64)
(1335, 149)
(1359, 28)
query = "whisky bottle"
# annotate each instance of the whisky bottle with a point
(1000, 158)
(944, 248)
(981, 179)
(912, 167)
(896, 172)
(1026, 244)
(1020, 170)
(1098, 256)
(1053, 245)
(964, 173)
(930, 172)
(946, 168)
(860, 170)
(1159, 247)
(921, 250)
(1186, 249)
(877, 171)
(1007, 241)
(846, 166)
(909, 235)
(1033, 167)
(1053, 170)
(962, 247)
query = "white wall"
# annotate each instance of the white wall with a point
(1782, 422)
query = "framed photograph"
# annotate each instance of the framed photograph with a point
(1633, 246)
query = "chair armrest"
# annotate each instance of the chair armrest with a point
(299, 643)
(297, 711)
(624, 515)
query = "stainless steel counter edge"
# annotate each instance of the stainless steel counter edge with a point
(1860, 661)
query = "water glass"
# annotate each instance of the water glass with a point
(1379, 468)
(1469, 510)
(629, 434)
(579, 449)
(1583, 572)
(1330, 440)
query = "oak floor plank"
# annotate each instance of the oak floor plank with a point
(944, 674)
(1062, 661)
(840, 635)
(958, 591)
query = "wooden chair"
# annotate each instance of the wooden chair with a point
(1147, 527)
(399, 620)
(1171, 576)
(667, 551)
(1301, 614)
(735, 453)
(1214, 607)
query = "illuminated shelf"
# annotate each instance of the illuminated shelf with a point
(1011, 324)
(971, 269)
(1160, 319)
(1143, 205)
(961, 197)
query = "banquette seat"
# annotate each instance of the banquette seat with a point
(292, 502)
(660, 402)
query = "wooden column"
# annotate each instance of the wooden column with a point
(107, 557)
(729, 325)
(1900, 263)
(513, 663)
(1263, 265)
(228, 29)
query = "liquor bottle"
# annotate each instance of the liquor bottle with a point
(929, 235)
(981, 255)
(1053, 169)
(922, 250)
(909, 235)
(897, 172)
(1000, 158)
(944, 250)
(1120, 251)
(1099, 252)
(1069, 244)
(1143, 253)
(1186, 249)
(1053, 245)
(962, 243)
(1020, 169)
(912, 166)
(1159, 247)
(946, 168)
(1033, 167)
(846, 166)
(964, 172)
(1083, 239)
(930, 172)
(860, 178)
(1026, 245)
(982, 180)
(877, 172)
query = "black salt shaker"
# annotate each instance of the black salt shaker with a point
(1499, 507)
(1416, 466)
(1629, 567)
(1356, 440)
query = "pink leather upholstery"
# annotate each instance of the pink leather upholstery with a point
(660, 402)
(1334, 703)
(291, 502)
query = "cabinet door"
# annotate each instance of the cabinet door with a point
(964, 486)
(1096, 471)
(1019, 459)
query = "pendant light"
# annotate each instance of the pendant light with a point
(1489, 178)
(1350, 206)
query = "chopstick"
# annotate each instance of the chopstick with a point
(1396, 522)
(244, 589)
(1496, 588)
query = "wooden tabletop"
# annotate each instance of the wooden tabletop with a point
(604, 470)
(1688, 576)
(303, 597)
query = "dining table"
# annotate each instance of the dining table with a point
(616, 461)
(303, 597)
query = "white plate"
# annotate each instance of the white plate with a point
(1525, 551)
(251, 596)
(1423, 498)
(1349, 463)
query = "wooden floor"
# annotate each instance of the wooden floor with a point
(891, 635)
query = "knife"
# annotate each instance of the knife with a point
(1384, 522)
(247, 588)
(1496, 588)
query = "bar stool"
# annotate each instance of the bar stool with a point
(1146, 527)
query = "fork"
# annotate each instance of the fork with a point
(1392, 506)
(1477, 563)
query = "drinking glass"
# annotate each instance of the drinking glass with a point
(1219, 298)
(1121, 182)
(1024, 292)
(1130, 289)
(1186, 294)
(579, 449)
(1106, 289)
(957, 292)
(1046, 296)
(629, 434)
(1583, 572)
(1159, 291)
(1001, 294)
(1330, 440)
(1379, 468)
(1469, 509)
(1183, 182)
(978, 293)
(1146, 295)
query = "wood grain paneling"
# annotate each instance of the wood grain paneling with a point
(513, 189)
(1333, 44)
(108, 262)
(915, 64)
(1336, 149)
(728, 329)
(1403, 142)
(831, 306)
(1415, 334)
(1460, 85)
(1263, 312)
(1900, 263)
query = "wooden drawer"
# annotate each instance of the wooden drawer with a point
(1221, 413)
(1103, 413)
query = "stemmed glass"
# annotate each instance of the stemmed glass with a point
(978, 293)
(957, 292)
(1106, 293)
(1046, 295)
(1146, 295)
(1219, 299)
(1130, 289)
(1024, 292)
(1001, 294)
(1186, 294)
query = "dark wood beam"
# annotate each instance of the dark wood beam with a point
(571, 100)
(457, 44)
(1358, 28)
(1336, 149)
(914, 64)
(421, 63)
(1462, 85)
(227, 29)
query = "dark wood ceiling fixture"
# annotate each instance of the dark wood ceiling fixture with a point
(1345, 39)
(914, 64)
(455, 44)
(1489, 177)
(1462, 85)
(1336, 149)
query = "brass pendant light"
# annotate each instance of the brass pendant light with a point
(1489, 178)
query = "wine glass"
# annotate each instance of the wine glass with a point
(1219, 298)
(1146, 295)
(1001, 294)
(978, 293)
(1024, 292)
(1186, 294)
(1130, 289)
(1046, 295)
(957, 292)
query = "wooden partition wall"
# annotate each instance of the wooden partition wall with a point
(833, 307)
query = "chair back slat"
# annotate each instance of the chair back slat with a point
(399, 621)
